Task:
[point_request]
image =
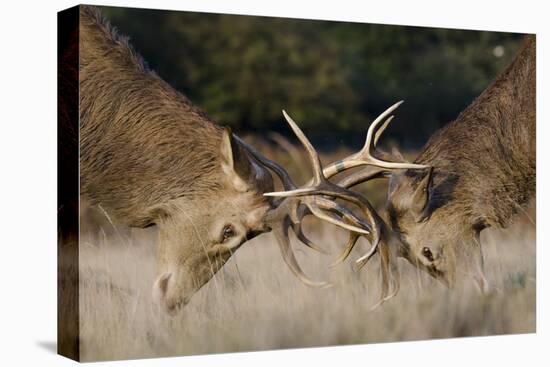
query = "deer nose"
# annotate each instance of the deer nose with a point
(162, 283)
(160, 290)
(164, 296)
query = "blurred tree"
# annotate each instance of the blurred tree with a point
(332, 77)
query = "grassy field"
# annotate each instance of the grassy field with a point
(255, 303)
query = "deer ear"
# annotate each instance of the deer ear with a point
(421, 197)
(234, 162)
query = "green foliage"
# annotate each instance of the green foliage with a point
(332, 77)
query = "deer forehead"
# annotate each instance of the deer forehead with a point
(437, 231)
(248, 207)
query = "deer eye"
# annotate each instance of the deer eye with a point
(427, 253)
(227, 232)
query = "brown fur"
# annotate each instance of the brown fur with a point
(148, 156)
(484, 167)
(142, 143)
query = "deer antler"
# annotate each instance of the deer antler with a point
(289, 212)
(314, 196)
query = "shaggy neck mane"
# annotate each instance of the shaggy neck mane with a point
(485, 160)
(136, 128)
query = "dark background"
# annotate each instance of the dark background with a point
(332, 77)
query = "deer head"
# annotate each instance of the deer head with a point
(199, 233)
(436, 232)
(484, 172)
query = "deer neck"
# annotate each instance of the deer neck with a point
(485, 160)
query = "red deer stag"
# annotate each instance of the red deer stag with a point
(484, 169)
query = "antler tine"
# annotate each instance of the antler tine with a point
(347, 182)
(352, 240)
(361, 176)
(381, 130)
(348, 218)
(341, 211)
(312, 153)
(389, 281)
(363, 260)
(356, 226)
(373, 128)
(281, 234)
(315, 210)
(364, 156)
(297, 213)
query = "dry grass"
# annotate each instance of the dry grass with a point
(255, 303)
